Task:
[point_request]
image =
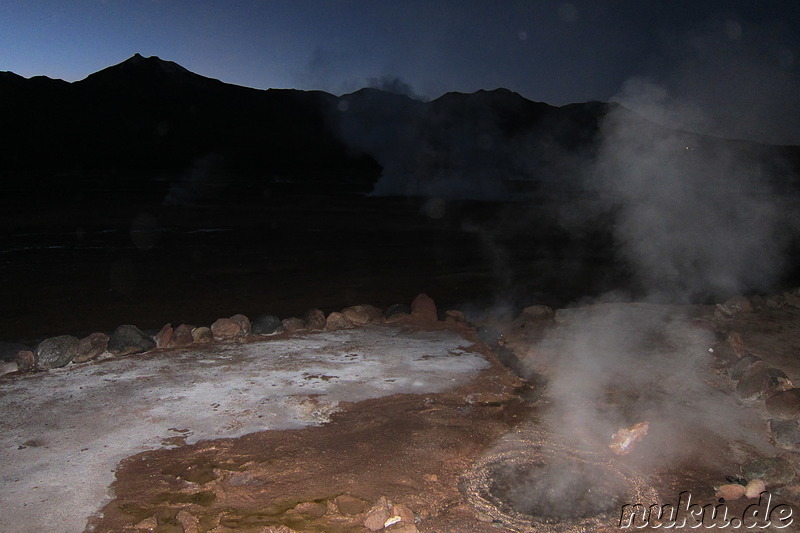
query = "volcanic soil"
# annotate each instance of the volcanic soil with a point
(415, 449)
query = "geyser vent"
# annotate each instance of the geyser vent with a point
(538, 487)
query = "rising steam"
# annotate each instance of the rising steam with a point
(694, 216)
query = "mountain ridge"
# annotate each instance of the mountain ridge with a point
(152, 125)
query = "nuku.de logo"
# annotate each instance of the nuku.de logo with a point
(686, 514)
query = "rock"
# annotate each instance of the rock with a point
(164, 337)
(315, 319)
(308, 510)
(226, 329)
(188, 521)
(378, 515)
(784, 405)
(182, 336)
(734, 491)
(26, 360)
(337, 320)
(91, 347)
(739, 304)
(349, 505)
(396, 311)
(424, 308)
(8, 367)
(267, 325)
(761, 380)
(148, 524)
(243, 322)
(293, 324)
(785, 434)
(733, 306)
(773, 471)
(202, 335)
(742, 366)
(754, 488)
(128, 339)
(452, 315)
(360, 315)
(402, 527)
(404, 513)
(736, 343)
(56, 352)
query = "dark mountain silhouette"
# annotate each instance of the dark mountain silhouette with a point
(152, 127)
(148, 124)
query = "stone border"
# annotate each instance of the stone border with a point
(62, 350)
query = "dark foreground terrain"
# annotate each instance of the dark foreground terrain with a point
(67, 269)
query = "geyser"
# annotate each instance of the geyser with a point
(533, 485)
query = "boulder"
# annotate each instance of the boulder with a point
(785, 434)
(26, 360)
(733, 306)
(293, 324)
(754, 488)
(7, 367)
(226, 329)
(452, 315)
(403, 512)
(202, 335)
(736, 342)
(361, 315)
(742, 366)
(56, 352)
(164, 337)
(424, 308)
(315, 319)
(91, 347)
(774, 471)
(349, 505)
(182, 336)
(128, 339)
(188, 521)
(784, 405)
(267, 325)
(337, 320)
(244, 322)
(378, 515)
(762, 380)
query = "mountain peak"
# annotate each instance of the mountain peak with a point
(155, 62)
(152, 69)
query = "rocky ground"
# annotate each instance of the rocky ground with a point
(493, 454)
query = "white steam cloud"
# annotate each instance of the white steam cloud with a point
(695, 217)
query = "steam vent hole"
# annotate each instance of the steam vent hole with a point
(559, 491)
(529, 487)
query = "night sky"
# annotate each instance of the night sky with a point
(727, 67)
